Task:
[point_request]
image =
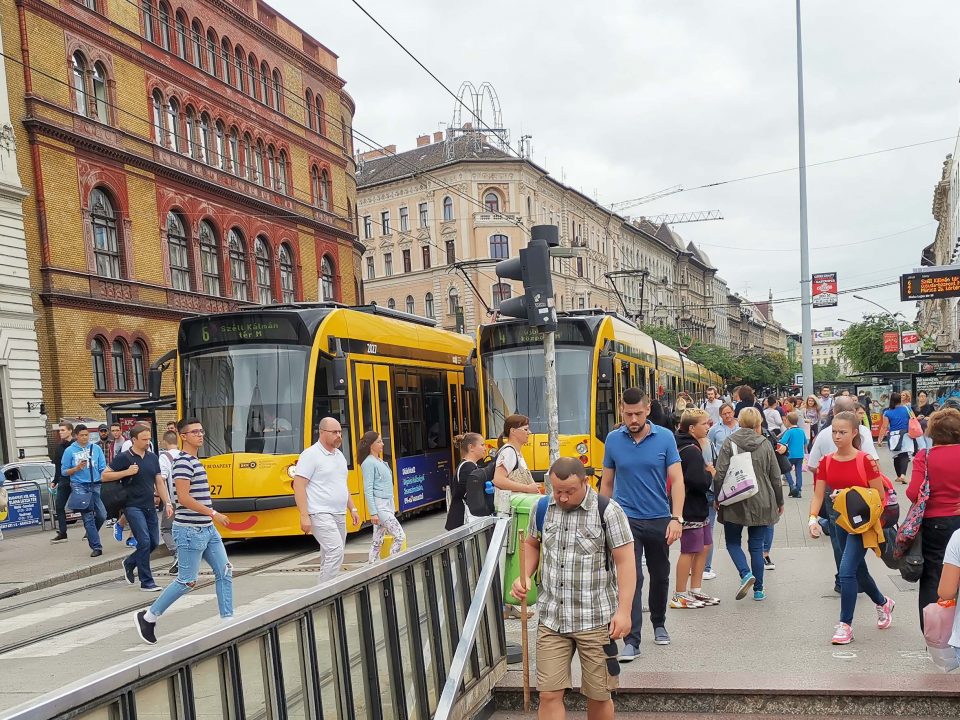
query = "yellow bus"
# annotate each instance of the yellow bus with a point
(260, 381)
(599, 354)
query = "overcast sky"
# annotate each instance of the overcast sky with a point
(626, 97)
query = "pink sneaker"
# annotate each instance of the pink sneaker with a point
(843, 634)
(885, 614)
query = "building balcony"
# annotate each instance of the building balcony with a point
(489, 218)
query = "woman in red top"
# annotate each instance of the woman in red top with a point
(942, 516)
(849, 467)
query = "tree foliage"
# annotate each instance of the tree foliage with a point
(828, 372)
(716, 358)
(862, 344)
(662, 335)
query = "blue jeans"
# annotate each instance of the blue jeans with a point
(854, 576)
(733, 532)
(795, 477)
(712, 519)
(94, 516)
(193, 544)
(145, 527)
(767, 539)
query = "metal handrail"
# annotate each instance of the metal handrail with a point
(116, 678)
(471, 625)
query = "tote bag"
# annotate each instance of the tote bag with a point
(740, 482)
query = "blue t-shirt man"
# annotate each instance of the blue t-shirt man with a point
(795, 441)
(640, 487)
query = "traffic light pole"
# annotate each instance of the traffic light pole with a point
(553, 414)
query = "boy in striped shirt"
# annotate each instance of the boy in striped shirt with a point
(194, 534)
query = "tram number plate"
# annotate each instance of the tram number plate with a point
(371, 349)
(215, 489)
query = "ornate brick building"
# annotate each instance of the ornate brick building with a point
(181, 157)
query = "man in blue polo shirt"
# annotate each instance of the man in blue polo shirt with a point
(638, 460)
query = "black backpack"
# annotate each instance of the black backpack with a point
(479, 501)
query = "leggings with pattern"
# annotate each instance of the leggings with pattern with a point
(388, 525)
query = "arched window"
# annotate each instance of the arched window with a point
(191, 122)
(147, 6)
(159, 134)
(235, 165)
(391, 304)
(309, 107)
(106, 245)
(182, 34)
(282, 172)
(287, 285)
(97, 355)
(264, 284)
(428, 306)
(447, 209)
(238, 66)
(318, 114)
(324, 190)
(80, 83)
(209, 259)
(238, 265)
(196, 37)
(226, 56)
(327, 279)
(173, 125)
(410, 305)
(179, 253)
(499, 246)
(258, 162)
(277, 90)
(248, 158)
(271, 167)
(453, 301)
(204, 138)
(165, 19)
(213, 50)
(315, 185)
(254, 87)
(491, 201)
(265, 83)
(221, 159)
(118, 363)
(138, 363)
(501, 292)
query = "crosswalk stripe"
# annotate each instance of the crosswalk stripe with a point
(47, 613)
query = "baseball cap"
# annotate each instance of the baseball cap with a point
(103, 426)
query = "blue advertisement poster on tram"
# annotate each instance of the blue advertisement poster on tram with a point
(420, 479)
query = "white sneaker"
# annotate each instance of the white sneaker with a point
(709, 575)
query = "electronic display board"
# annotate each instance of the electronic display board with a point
(930, 285)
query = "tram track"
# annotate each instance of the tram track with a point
(119, 612)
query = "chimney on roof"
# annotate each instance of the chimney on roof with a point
(423, 140)
(438, 136)
(378, 153)
(390, 150)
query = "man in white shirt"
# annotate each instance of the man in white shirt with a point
(320, 489)
(167, 457)
(712, 405)
(826, 405)
(823, 445)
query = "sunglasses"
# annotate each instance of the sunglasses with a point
(613, 665)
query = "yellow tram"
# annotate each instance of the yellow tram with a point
(599, 354)
(260, 380)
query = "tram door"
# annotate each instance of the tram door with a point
(457, 400)
(374, 412)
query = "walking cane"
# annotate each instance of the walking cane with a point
(524, 643)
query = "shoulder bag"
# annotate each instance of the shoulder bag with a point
(740, 482)
(914, 429)
(519, 474)
(909, 532)
(80, 497)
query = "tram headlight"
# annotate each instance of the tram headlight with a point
(291, 471)
(582, 448)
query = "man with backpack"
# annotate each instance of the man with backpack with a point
(584, 606)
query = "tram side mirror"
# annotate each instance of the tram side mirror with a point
(469, 378)
(154, 381)
(340, 375)
(605, 372)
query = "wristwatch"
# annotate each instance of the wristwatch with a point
(677, 518)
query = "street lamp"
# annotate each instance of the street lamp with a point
(900, 355)
(849, 322)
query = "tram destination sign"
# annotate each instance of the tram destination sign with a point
(233, 329)
(930, 284)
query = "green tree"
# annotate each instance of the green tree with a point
(862, 344)
(826, 373)
(718, 359)
(663, 335)
(766, 369)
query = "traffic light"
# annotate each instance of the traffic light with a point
(532, 268)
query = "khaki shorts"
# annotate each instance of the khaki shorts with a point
(555, 654)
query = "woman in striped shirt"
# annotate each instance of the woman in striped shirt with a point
(194, 534)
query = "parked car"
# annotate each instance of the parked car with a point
(40, 473)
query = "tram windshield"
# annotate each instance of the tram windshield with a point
(249, 398)
(515, 383)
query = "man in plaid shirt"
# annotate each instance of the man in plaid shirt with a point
(584, 605)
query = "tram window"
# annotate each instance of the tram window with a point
(454, 409)
(624, 380)
(471, 411)
(327, 404)
(435, 417)
(606, 412)
(642, 380)
(386, 434)
(366, 406)
(408, 413)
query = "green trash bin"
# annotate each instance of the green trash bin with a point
(522, 506)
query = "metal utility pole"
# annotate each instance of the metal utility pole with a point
(553, 413)
(805, 280)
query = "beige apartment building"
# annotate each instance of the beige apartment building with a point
(434, 220)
